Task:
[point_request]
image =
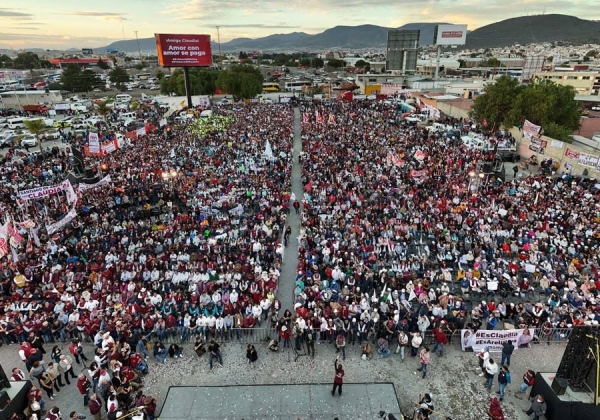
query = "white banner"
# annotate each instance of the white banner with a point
(530, 129)
(94, 143)
(141, 131)
(477, 340)
(40, 192)
(162, 122)
(106, 180)
(109, 147)
(61, 223)
(588, 160)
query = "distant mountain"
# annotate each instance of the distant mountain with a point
(346, 37)
(534, 29)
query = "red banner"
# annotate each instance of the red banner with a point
(177, 50)
(571, 154)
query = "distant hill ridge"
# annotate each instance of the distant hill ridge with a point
(522, 30)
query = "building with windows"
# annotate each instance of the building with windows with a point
(81, 62)
(16, 99)
(584, 82)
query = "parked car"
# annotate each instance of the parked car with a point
(63, 123)
(79, 124)
(29, 141)
(53, 134)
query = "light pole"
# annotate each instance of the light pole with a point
(596, 356)
(138, 44)
(220, 55)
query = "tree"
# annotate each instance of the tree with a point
(6, 62)
(160, 74)
(362, 64)
(74, 79)
(242, 55)
(317, 62)
(102, 108)
(118, 75)
(462, 64)
(548, 104)
(592, 53)
(202, 82)
(36, 127)
(241, 81)
(496, 102)
(102, 65)
(335, 63)
(26, 60)
(305, 61)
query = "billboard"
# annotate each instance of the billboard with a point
(450, 35)
(402, 48)
(87, 51)
(533, 64)
(180, 50)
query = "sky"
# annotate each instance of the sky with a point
(60, 24)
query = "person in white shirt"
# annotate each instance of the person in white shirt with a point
(233, 296)
(265, 305)
(219, 325)
(256, 313)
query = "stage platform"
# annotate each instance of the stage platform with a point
(281, 402)
(569, 406)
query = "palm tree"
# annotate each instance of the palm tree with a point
(36, 127)
(103, 109)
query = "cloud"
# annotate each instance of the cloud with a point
(11, 13)
(255, 26)
(109, 16)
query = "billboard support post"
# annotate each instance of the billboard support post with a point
(188, 87)
(437, 62)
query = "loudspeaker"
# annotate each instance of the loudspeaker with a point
(4, 381)
(4, 400)
(488, 167)
(559, 386)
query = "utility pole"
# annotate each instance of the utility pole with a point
(138, 44)
(220, 56)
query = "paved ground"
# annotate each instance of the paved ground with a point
(358, 401)
(457, 390)
(290, 260)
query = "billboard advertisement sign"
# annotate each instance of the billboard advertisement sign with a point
(451, 35)
(177, 50)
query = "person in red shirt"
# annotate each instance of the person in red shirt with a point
(338, 380)
(440, 341)
(84, 385)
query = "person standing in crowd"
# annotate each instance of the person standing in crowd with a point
(310, 342)
(507, 350)
(251, 354)
(402, 343)
(415, 343)
(482, 358)
(17, 375)
(338, 379)
(54, 414)
(76, 349)
(440, 341)
(95, 407)
(503, 380)
(340, 344)
(66, 366)
(84, 386)
(490, 370)
(528, 380)
(214, 351)
(424, 359)
(538, 407)
(47, 384)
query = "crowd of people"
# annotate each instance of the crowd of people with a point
(398, 234)
(405, 241)
(184, 242)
